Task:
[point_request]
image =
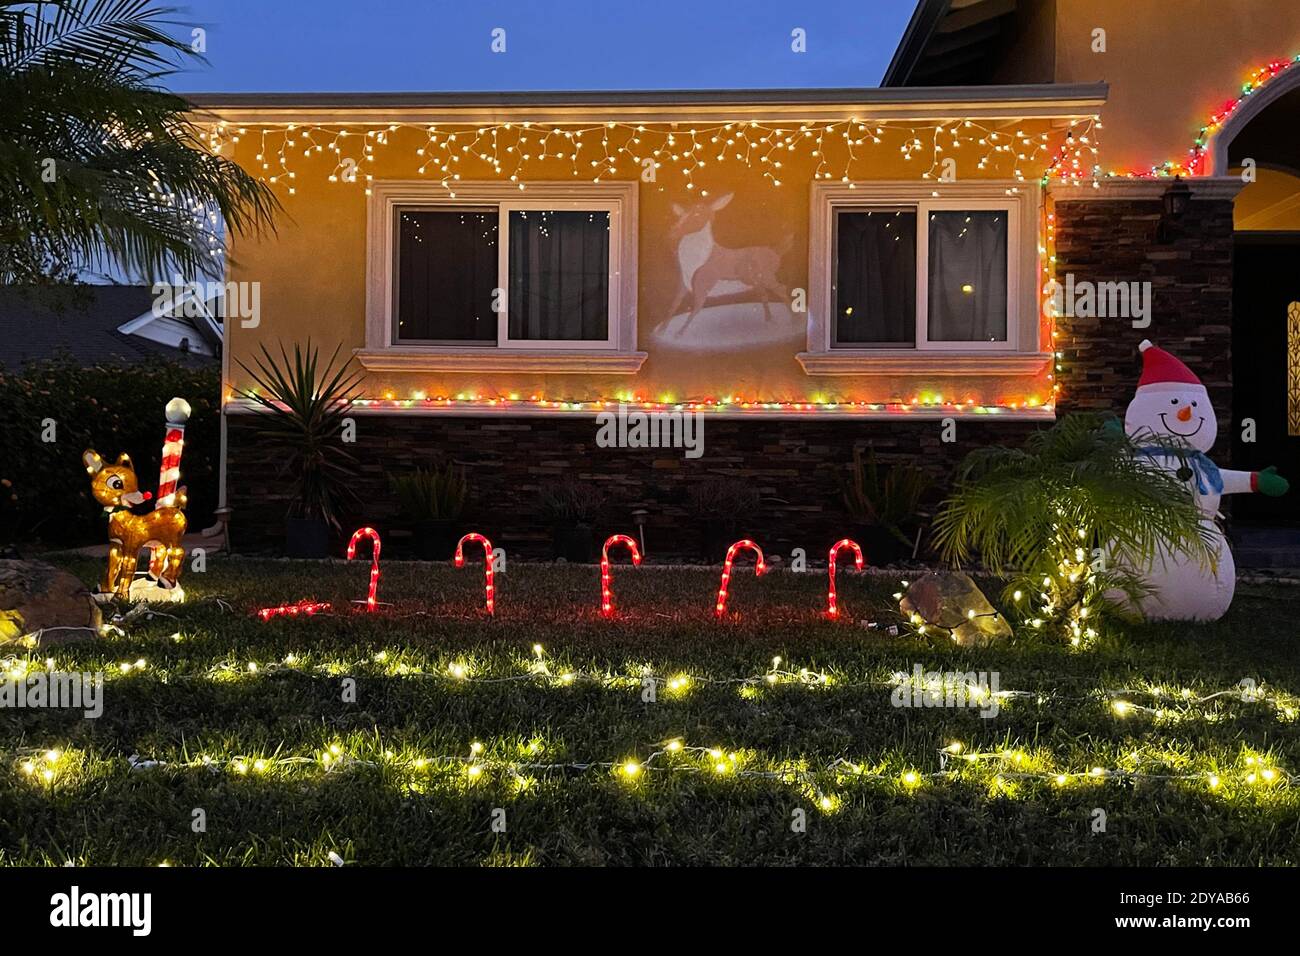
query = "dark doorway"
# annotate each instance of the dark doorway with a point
(1266, 280)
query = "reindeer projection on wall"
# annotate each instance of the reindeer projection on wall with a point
(709, 269)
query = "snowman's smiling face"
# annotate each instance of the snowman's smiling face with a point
(1180, 411)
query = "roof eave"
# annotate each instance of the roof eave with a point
(879, 103)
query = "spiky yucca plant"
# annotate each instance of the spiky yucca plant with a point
(305, 406)
(1068, 518)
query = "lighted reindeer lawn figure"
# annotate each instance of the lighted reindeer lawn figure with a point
(116, 488)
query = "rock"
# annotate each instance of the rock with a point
(35, 596)
(946, 598)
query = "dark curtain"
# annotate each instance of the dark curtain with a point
(447, 270)
(968, 277)
(875, 278)
(559, 275)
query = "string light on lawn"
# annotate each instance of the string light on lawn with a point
(516, 152)
(827, 784)
(1166, 704)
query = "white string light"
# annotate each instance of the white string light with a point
(514, 151)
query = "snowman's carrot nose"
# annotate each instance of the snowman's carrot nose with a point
(1185, 413)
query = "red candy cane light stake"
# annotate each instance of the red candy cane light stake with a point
(373, 535)
(606, 595)
(489, 589)
(759, 569)
(832, 607)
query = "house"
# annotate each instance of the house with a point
(948, 261)
(91, 324)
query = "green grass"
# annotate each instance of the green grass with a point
(247, 746)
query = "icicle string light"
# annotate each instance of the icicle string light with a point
(373, 535)
(518, 151)
(606, 578)
(759, 569)
(832, 606)
(489, 586)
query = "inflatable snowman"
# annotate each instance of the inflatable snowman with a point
(1170, 400)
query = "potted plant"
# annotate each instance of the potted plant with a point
(571, 510)
(432, 500)
(721, 506)
(885, 507)
(303, 408)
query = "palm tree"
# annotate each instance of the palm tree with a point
(1067, 519)
(97, 161)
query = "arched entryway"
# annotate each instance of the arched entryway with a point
(1263, 137)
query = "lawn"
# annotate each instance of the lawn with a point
(428, 733)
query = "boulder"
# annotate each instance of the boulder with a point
(946, 598)
(35, 596)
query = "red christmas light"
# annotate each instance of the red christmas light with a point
(759, 569)
(833, 608)
(606, 595)
(302, 608)
(373, 535)
(489, 589)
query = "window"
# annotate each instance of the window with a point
(498, 278)
(899, 287)
(899, 271)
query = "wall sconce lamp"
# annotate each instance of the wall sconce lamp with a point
(1175, 202)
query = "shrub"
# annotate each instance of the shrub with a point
(434, 494)
(113, 408)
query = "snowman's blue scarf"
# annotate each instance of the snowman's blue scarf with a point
(1206, 472)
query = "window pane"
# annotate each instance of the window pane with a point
(446, 271)
(559, 275)
(968, 277)
(875, 277)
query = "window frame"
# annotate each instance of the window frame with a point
(615, 354)
(1020, 352)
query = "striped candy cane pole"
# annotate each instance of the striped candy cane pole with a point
(832, 604)
(178, 413)
(759, 568)
(606, 577)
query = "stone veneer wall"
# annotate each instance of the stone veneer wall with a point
(795, 464)
(1191, 283)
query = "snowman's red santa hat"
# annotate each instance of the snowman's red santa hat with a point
(1161, 368)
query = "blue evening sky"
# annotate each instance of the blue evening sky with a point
(426, 45)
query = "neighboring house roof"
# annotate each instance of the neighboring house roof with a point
(952, 42)
(89, 328)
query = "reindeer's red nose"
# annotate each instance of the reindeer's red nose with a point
(146, 495)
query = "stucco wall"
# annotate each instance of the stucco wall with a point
(313, 275)
(1170, 65)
